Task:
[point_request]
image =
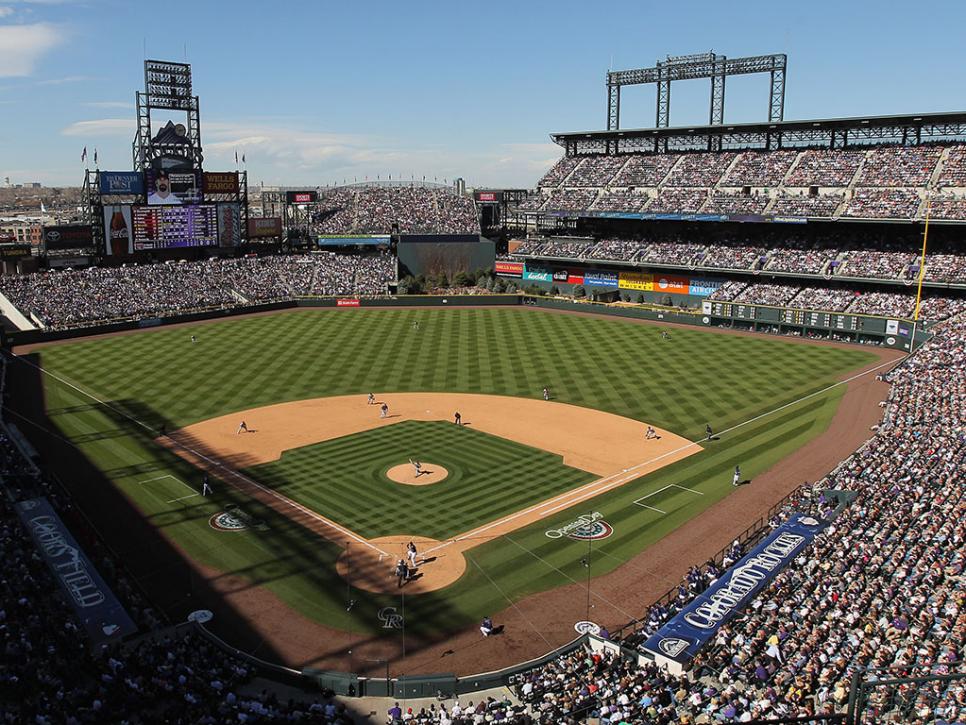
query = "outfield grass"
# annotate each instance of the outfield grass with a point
(616, 366)
(489, 477)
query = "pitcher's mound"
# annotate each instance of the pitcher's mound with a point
(366, 568)
(405, 473)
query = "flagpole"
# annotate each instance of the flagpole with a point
(922, 274)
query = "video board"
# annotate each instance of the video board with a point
(170, 227)
(301, 197)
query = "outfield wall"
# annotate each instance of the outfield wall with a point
(863, 329)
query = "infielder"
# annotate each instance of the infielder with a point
(457, 418)
(371, 400)
(205, 485)
(243, 426)
(707, 429)
(383, 411)
(650, 433)
(417, 467)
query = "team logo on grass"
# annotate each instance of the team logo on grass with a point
(588, 527)
(224, 521)
(390, 618)
(235, 518)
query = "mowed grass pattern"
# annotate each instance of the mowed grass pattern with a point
(613, 365)
(489, 477)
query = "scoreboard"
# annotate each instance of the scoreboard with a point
(167, 227)
(729, 309)
(826, 320)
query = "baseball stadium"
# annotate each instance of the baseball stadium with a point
(674, 436)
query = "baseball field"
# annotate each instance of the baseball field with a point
(313, 504)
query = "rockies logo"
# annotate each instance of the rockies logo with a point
(588, 527)
(224, 521)
(585, 627)
(673, 646)
(390, 618)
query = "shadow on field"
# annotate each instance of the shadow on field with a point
(288, 538)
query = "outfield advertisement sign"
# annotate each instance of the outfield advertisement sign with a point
(680, 639)
(670, 283)
(94, 603)
(509, 269)
(593, 278)
(703, 287)
(342, 240)
(121, 182)
(636, 280)
(537, 274)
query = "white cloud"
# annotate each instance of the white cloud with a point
(101, 127)
(65, 79)
(5, 12)
(22, 46)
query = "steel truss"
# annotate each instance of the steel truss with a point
(822, 133)
(702, 65)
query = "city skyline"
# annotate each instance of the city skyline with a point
(326, 93)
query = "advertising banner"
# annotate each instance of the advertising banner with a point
(71, 236)
(99, 611)
(681, 637)
(219, 182)
(575, 278)
(509, 269)
(229, 225)
(703, 287)
(560, 275)
(268, 226)
(121, 182)
(343, 302)
(168, 227)
(671, 284)
(488, 197)
(118, 232)
(593, 278)
(636, 280)
(301, 197)
(537, 274)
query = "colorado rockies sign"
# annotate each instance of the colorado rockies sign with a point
(588, 527)
(390, 618)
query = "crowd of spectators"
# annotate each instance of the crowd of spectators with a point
(647, 170)
(954, 168)
(726, 256)
(876, 263)
(885, 182)
(72, 298)
(579, 199)
(725, 203)
(823, 298)
(873, 203)
(625, 200)
(596, 171)
(825, 167)
(760, 168)
(700, 169)
(820, 205)
(768, 294)
(801, 256)
(383, 209)
(681, 253)
(678, 200)
(624, 250)
(899, 165)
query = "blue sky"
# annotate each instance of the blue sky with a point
(319, 92)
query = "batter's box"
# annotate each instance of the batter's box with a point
(657, 499)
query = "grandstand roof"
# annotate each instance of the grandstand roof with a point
(833, 132)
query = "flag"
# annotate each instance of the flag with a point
(243, 158)
(236, 157)
(84, 154)
(95, 157)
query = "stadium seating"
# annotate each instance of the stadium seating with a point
(77, 298)
(880, 182)
(380, 209)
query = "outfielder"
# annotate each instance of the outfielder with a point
(737, 478)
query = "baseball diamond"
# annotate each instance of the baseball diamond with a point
(529, 483)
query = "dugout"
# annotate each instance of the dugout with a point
(435, 254)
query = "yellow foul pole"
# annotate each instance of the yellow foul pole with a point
(922, 273)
